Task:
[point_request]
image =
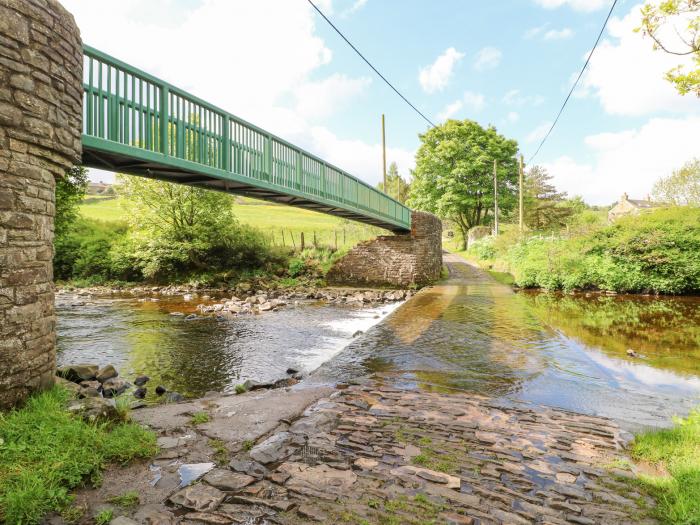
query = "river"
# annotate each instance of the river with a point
(469, 333)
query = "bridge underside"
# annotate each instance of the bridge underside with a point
(105, 158)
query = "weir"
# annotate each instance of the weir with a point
(63, 103)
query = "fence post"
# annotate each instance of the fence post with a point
(302, 241)
(164, 119)
(226, 157)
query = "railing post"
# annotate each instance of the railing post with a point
(323, 180)
(297, 182)
(226, 158)
(164, 120)
(268, 157)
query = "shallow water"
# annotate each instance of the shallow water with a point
(476, 335)
(193, 357)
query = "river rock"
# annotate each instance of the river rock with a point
(154, 514)
(251, 468)
(89, 391)
(123, 520)
(114, 387)
(68, 385)
(291, 371)
(174, 397)
(141, 380)
(140, 393)
(200, 496)
(94, 409)
(108, 372)
(78, 373)
(228, 481)
(276, 448)
(160, 390)
(91, 384)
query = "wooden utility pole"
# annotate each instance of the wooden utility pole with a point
(386, 190)
(520, 193)
(495, 197)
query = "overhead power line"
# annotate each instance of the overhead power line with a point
(583, 69)
(370, 64)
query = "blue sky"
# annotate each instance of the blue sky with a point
(508, 63)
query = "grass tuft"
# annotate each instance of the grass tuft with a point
(127, 500)
(45, 452)
(676, 451)
(199, 418)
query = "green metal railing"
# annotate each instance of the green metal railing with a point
(136, 114)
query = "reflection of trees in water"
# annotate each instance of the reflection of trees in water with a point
(666, 330)
(190, 359)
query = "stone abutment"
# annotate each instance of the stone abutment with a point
(41, 64)
(394, 260)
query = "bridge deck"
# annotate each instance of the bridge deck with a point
(137, 124)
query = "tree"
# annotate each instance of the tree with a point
(397, 187)
(674, 26)
(178, 228)
(70, 190)
(544, 206)
(454, 173)
(681, 188)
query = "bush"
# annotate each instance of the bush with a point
(656, 252)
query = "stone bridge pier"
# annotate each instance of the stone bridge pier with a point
(41, 64)
(414, 258)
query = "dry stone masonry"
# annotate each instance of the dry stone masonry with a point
(395, 260)
(40, 123)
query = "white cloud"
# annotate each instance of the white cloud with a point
(320, 99)
(436, 76)
(534, 31)
(487, 58)
(356, 6)
(278, 87)
(512, 117)
(474, 102)
(578, 5)
(628, 161)
(558, 34)
(450, 110)
(628, 75)
(515, 98)
(538, 133)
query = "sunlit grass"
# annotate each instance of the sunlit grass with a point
(46, 451)
(677, 452)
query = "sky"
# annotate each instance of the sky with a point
(506, 63)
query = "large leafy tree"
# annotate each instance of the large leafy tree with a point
(454, 173)
(544, 205)
(674, 27)
(70, 190)
(397, 187)
(681, 188)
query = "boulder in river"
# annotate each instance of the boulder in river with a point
(108, 372)
(79, 372)
(160, 390)
(140, 392)
(114, 387)
(141, 380)
(174, 397)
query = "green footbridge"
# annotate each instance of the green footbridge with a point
(137, 124)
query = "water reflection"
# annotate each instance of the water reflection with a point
(193, 357)
(474, 334)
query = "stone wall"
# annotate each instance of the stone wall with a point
(41, 64)
(395, 260)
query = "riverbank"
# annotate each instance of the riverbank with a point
(373, 453)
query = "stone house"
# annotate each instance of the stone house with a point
(627, 206)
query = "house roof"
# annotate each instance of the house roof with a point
(644, 204)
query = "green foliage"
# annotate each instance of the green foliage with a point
(681, 188)
(199, 418)
(681, 17)
(676, 451)
(70, 190)
(247, 445)
(396, 186)
(544, 207)
(454, 173)
(45, 452)
(654, 252)
(104, 517)
(127, 500)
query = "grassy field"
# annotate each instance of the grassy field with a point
(272, 219)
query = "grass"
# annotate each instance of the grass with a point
(199, 418)
(45, 452)
(127, 500)
(104, 517)
(221, 454)
(248, 445)
(267, 217)
(676, 451)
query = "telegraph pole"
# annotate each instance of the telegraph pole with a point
(495, 198)
(386, 190)
(520, 193)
